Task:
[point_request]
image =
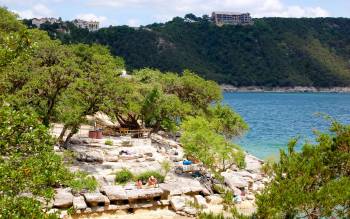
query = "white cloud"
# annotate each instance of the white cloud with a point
(133, 22)
(37, 11)
(165, 9)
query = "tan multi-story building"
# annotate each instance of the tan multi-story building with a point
(90, 25)
(231, 18)
(39, 21)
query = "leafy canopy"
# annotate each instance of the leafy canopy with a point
(312, 183)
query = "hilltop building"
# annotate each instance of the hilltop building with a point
(231, 18)
(90, 25)
(39, 21)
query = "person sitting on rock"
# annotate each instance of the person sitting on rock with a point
(152, 181)
(139, 184)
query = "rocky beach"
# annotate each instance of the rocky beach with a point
(181, 195)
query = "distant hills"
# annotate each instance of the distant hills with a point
(272, 52)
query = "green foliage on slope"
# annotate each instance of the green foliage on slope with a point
(272, 52)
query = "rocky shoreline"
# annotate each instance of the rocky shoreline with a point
(173, 197)
(296, 89)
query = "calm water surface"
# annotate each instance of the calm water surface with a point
(274, 118)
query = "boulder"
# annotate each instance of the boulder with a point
(178, 203)
(94, 199)
(63, 199)
(90, 156)
(232, 179)
(253, 164)
(79, 203)
(200, 200)
(214, 199)
(114, 193)
(144, 193)
(188, 186)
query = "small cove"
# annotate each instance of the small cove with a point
(275, 118)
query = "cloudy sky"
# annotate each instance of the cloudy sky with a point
(142, 12)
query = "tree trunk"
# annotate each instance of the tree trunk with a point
(73, 131)
(63, 132)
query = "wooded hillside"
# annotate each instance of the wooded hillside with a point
(272, 52)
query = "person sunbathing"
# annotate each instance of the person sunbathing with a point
(152, 181)
(139, 184)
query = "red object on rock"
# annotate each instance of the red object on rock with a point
(97, 134)
(92, 134)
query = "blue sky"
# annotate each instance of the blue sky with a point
(142, 12)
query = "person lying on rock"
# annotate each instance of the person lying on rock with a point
(139, 184)
(152, 181)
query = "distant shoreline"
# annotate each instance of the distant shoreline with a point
(296, 89)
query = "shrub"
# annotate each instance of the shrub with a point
(83, 181)
(109, 142)
(166, 166)
(145, 175)
(123, 176)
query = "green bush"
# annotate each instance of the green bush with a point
(123, 176)
(109, 142)
(83, 181)
(145, 175)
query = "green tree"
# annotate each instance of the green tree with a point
(312, 183)
(163, 111)
(89, 92)
(226, 122)
(127, 105)
(14, 39)
(201, 142)
(53, 67)
(29, 168)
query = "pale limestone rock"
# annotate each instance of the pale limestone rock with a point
(188, 185)
(232, 179)
(200, 200)
(114, 193)
(90, 156)
(79, 203)
(144, 193)
(253, 164)
(94, 199)
(178, 203)
(63, 199)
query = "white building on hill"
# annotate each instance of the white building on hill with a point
(90, 25)
(231, 18)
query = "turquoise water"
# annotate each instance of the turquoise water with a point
(274, 118)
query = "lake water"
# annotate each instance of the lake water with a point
(274, 118)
